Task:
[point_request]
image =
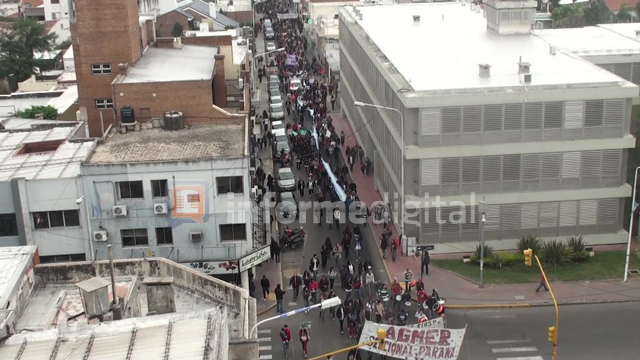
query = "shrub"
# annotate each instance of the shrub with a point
(488, 252)
(556, 252)
(576, 244)
(48, 112)
(530, 242)
(580, 257)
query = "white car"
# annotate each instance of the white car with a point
(276, 125)
(280, 135)
(286, 179)
(271, 46)
(267, 22)
(295, 84)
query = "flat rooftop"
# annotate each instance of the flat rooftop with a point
(624, 29)
(195, 142)
(163, 65)
(13, 261)
(589, 41)
(443, 52)
(11, 104)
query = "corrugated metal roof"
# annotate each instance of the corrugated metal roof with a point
(187, 340)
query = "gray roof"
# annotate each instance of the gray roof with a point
(203, 8)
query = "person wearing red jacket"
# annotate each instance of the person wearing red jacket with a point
(543, 284)
(313, 288)
(422, 296)
(304, 340)
(357, 286)
(396, 290)
(285, 336)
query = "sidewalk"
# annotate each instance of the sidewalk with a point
(463, 293)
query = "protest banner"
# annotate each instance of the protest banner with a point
(412, 343)
(437, 323)
(292, 60)
(287, 16)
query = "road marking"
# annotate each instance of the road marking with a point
(495, 342)
(265, 348)
(264, 339)
(293, 303)
(264, 331)
(520, 349)
(265, 357)
(502, 316)
(523, 358)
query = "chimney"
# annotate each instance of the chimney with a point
(485, 70)
(552, 50)
(122, 68)
(524, 67)
(219, 83)
(638, 34)
(360, 15)
(212, 10)
(416, 20)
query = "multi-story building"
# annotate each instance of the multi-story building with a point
(488, 109)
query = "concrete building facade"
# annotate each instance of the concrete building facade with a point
(542, 134)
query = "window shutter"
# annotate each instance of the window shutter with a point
(588, 212)
(594, 110)
(531, 166)
(591, 164)
(451, 119)
(553, 114)
(471, 219)
(568, 213)
(449, 226)
(608, 67)
(472, 119)
(511, 167)
(551, 166)
(533, 116)
(492, 118)
(431, 121)
(635, 73)
(513, 116)
(611, 162)
(549, 214)
(529, 215)
(471, 170)
(430, 169)
(451, 170)
(491, 166)
(429, 224)
(623, 70)
(607, 211)
(510, 216)
(614, 112)
(573, 114)
(571, 165)
(492, 213)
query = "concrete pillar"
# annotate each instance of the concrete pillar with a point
(244, 279)
(21, 206)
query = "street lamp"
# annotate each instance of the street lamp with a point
(362, 104)
(483, 220)
(79, 201)
(633, 210)
(325, 304)
(253, 66)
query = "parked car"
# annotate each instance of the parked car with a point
(269, 34)
(273, 79)
(274, 87)
(295, 84)
(286, 179)
(287, 205)
(271, 46)
(280, 135)
(276, 111)
(276, 125)
(275, 99)
(278, 147)
(267, 23)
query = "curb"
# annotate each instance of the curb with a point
(539, 304)
(489, 306)
(264, 311)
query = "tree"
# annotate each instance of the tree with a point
(177, 30)
(17, 44)
(624, 15)
(637, 8)
(565, 11)
(48, 112)
(597, 13)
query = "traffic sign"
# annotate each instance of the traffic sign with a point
(425, 247)
(305, 325)
(309, 21)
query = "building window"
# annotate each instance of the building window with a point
(55, 1)
(8, 225)
(62, 258)
(134, 237)
(130, 189)
(53, 219)
(233, 232)
(104, 104)
(164, 236)
(230, 184)
(159, 188)
(100, 69)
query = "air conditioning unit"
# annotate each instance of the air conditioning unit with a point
(120, 210)
(160, 209)
(100, 235)
(195, 236)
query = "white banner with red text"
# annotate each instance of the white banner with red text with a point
(411, 343)
(437, 323)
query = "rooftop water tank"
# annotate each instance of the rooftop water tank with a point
(173, 120)
(127, 115)
(95, 296)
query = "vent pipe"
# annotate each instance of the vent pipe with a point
(552, 50)
(637, 34)
(524, 67)
(416, 20)
(485, 70)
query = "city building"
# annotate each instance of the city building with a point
(67, 311)
(132, 185)
(194, 15)
(488, 109)
(57, 14)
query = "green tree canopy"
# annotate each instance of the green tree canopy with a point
(17, 44)
(48, 112)
(177, 30)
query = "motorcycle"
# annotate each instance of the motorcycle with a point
(295, 237)
(291, 243)
(294, 231)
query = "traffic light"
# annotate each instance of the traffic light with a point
(381, 336)
(528, 257)
(552, 336)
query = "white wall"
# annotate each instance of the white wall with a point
(56, 11)
(157, 6)
(62, 28)
(100, 186)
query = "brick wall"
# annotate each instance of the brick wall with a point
(104, 33)
(240, 16)
(193, 98)
(165, 23)
(143, 36)
(207, 40)
(151, 32)
(219, 84)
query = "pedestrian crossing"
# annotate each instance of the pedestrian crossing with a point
(264, 351)
(513, 349)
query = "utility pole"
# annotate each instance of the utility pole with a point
(117, 314)
(483, 220)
